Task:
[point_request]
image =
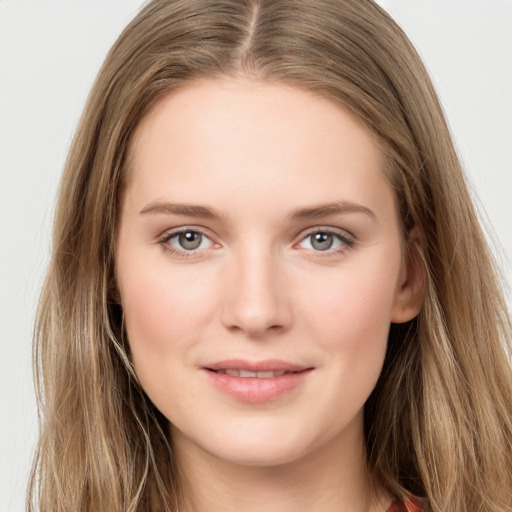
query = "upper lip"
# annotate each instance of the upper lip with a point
(267, 365)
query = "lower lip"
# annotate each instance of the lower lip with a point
(254, 390)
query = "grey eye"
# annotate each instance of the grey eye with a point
(321, 241)
(187, 242)
(190, 240)
(324, 241)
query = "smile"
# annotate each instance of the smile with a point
(247, 373)
(256, 382)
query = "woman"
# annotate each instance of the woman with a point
(269, 289)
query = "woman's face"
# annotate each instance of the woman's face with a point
(259, 265)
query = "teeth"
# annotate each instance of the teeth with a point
(265, 375)
(269, 375)
(248, 373)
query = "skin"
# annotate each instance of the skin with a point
(258, 287)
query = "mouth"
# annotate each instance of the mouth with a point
(244, 374)
(256, 382)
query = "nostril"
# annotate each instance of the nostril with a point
(256, 302)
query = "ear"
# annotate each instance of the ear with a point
(411, 284)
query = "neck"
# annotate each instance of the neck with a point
(332, 478)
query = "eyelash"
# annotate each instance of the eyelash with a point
(183, 253)
(347, 241)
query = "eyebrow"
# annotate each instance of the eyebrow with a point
(323, 210)
(189, 210)
(205, 212)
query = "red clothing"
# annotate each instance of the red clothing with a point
(408, 506)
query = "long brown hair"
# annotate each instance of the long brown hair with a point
(439, 423)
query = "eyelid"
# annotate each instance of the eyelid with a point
(346, 237)
(343, 233)
(168, 234)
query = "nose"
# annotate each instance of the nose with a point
(256, 298)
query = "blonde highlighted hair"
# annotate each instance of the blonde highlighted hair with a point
(439, 423)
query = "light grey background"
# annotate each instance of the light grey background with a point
(50, 51)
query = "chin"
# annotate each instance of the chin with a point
(258, 454)
(257, 443)
(247, 443)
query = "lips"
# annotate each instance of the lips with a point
(249, 374)
(255, 382)
(268, 365)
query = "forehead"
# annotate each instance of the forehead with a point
(257, 138)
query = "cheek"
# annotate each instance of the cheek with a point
(352, 306)
(163, 310)
(165, 313)
(347, 317)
